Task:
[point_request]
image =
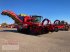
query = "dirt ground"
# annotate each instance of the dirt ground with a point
(12, 41)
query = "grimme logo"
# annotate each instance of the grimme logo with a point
(10, 45)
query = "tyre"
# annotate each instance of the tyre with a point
(66, 28)
(56, 29)
(45, 30)
(52, 31)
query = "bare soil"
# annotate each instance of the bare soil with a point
(51, 42)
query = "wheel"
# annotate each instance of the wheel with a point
(52, 31)
(66, 28)
(45, 30)
(56, 29)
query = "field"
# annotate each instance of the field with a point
(12, 41)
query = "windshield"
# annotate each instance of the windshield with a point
(36, 18)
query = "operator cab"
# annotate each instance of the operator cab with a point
(36, 19)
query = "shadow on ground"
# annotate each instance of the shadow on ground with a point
(15, 31)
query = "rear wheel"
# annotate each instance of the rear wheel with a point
(52, 31)
(66, 28)
(45, 30)
(56, 29)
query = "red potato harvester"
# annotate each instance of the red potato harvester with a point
(61, 25)
(31, 24)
